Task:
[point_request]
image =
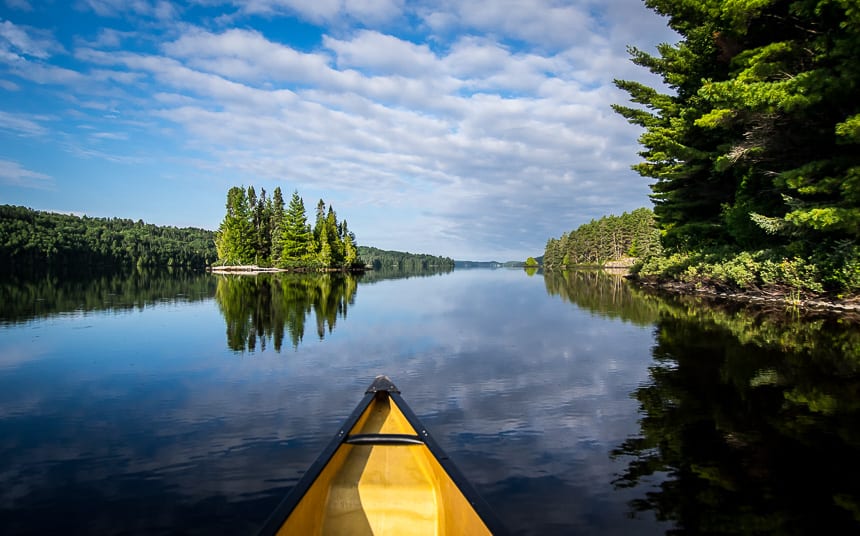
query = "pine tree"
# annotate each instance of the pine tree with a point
(234, 238)
(262, 228)
(759, 141)
(335, 241)
(350, 248)
(296, 236)
(276, 223)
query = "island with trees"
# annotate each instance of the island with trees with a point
(261, 232)
(755, 147)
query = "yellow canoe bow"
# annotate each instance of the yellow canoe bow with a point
(383, 474)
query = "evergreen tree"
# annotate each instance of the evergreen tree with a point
(609, 238)
(296, 236)
(759, 141)
(350, 248)
(276, 222)
(234, 239)
(324, 256)
(262, 228)
(319, 222)
(333, 234)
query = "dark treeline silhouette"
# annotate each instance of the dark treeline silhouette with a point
(32, 240)
(23, 298)
(749, 423)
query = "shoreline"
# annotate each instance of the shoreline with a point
(784, 297)
(253, 269)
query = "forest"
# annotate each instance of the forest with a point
(262, 231)
(753, 143)
(606, 239)
(35, 241)
(380, 259)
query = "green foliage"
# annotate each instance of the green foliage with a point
(756, 145)
(296, 238)
(33, 240)
(235, 238)
(609, 238)
(410, 262)
(830, 271)
(531, 262)
(258, 230)
(747, 423)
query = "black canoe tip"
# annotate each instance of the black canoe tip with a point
(382, 383)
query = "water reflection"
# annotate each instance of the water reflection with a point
(388, 272)
(108, 421)
(604, 294)
(27, 298)
(749, 423)
(264, 308)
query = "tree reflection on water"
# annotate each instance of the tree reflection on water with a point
(749, 423)
(268, 307)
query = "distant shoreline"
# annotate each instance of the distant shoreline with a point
(253, 269)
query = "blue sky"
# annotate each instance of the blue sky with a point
(475, 129)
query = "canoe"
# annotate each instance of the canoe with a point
(383, 473)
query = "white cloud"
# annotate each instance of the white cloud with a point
(22, 125)
(493, 132)
(17, 41)
(247, 56)
(378, 53)
(547, 24)
(13, 174)
(374, 12)
(157, 9)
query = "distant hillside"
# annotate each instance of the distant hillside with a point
(488, 264)
(32, 240)
(608, 239)
(403, 260)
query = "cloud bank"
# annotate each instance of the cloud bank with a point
(474, 129)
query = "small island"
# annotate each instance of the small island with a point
(258, 234)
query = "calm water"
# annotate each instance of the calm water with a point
(576, 405)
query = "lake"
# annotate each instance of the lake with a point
(576, 404)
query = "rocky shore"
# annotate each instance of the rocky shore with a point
(773, 296)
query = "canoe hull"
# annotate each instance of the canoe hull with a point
(383, 474)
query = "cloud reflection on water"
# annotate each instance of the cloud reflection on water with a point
(526, 392)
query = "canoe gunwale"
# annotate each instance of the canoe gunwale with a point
(283, 510)
(481, 507)
(382, 387)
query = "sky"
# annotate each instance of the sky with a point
(472, 129)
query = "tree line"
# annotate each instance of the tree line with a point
(609, 238)
(756, 147)
(380, 259)
(260, 230)
(32, 240)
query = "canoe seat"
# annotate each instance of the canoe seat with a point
(383, 439)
